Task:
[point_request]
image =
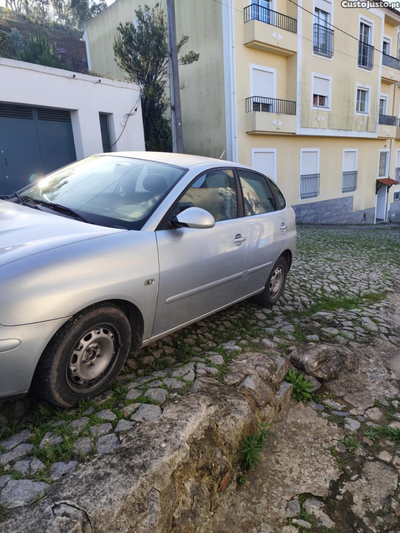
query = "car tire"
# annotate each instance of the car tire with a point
(85, 356)
(275, 284)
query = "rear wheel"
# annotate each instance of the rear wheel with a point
(275, 284)
(85, 356)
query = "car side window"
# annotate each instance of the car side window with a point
(257, 195)
(279, 195)
(215, 192)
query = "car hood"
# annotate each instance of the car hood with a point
(25, 231)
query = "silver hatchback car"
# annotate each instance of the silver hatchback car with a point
(111, 253)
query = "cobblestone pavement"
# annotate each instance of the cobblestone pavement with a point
(339, 291)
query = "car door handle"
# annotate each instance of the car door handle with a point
(239, 239)
(283, 226)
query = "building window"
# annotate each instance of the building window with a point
(365, 48)
(321, 92)
(383, 164)
(309, 174)
(362, 105)
(105, 132)
(382, 105)
(263, 89)
(323, 34)
(396, 196)
(261, 10)
(386, 46)
(349, 172)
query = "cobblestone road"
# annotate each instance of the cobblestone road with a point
(337, 292)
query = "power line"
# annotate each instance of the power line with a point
(332, 25)
(311, 40)
(134, 108)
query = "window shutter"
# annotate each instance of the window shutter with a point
(321, 86)
(264, 162)
(349, 162)
(309, 163)
(325, 5)
(263, 83)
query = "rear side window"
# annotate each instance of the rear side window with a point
(257, 195)
(279, 195)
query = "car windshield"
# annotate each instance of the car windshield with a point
(108, 190)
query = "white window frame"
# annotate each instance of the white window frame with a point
(331, 22)
(344, 151)
(253, 66)
(302, 150)
(396, 193)
(388, 40)
(325, 77)
(387, 163)
(383, 96)
(263, 150)
(368, 89)
(368, 22)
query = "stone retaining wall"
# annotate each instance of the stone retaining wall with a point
(336, 211)
(169, 473)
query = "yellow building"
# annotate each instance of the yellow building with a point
(305, 91)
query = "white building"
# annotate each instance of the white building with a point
(50, 117)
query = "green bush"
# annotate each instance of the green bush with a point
(40, 51)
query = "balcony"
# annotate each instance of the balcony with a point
(349, 181)
(309, 186)
(387, 126)
(270, 115)
(270, 31)
(323, 41)
(365, 55)
(390, 69)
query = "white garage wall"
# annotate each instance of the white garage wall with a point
(85, 96)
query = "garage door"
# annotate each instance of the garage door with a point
(33, 142)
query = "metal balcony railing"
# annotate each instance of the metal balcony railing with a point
(349, 181)
(270, 105)
(309, 186)
(390, 61)
(263, 14)
(365, 55)
(323, 40)
(387, 120)
(397, 174)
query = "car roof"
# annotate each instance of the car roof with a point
(180, 160)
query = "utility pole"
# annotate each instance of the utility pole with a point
(174, 87)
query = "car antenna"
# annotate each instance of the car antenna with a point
(222, 155)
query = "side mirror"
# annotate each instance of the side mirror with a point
(193, 217)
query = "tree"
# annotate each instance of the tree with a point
(141, 50)
(40, 51)
(97, 7)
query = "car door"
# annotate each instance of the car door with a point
(201, 269)
(266, 227)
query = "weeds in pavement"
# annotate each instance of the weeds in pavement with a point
(252, 446)
(302, 389)
(377, 433)
(351, 443)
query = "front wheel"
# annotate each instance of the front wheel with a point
(85, 356)
(275, 284)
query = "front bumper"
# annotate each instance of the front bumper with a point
(20, 351)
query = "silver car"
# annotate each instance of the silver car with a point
(111, 253)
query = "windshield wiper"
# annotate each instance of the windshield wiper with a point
(62, 209)
(21, 199)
